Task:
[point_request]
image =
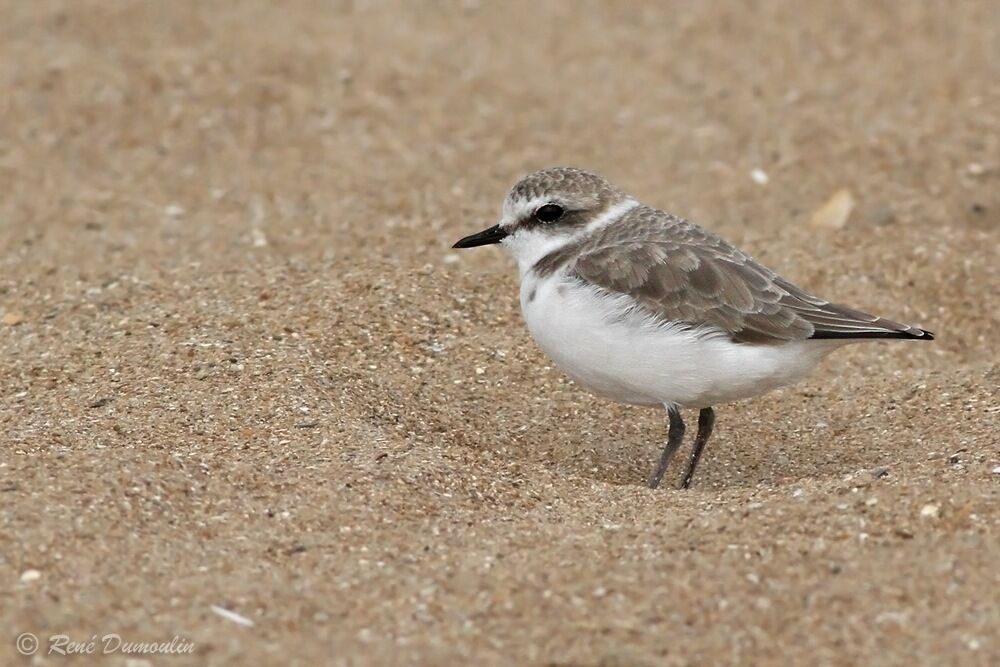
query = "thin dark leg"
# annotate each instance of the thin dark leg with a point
(706, 420)
(675, 435)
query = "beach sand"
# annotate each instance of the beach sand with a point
(241, 366)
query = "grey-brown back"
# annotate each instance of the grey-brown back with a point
(680, 272)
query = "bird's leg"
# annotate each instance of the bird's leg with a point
(706, 420)
(675, 435)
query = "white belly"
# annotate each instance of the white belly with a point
(624, 354)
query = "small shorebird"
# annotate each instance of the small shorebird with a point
(646, 308)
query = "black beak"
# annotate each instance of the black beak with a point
(486, 237)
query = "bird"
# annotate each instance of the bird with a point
(645, 308)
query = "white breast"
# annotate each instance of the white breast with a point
(615, 349)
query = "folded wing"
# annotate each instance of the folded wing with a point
(682, 273)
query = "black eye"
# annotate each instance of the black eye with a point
(549, 212)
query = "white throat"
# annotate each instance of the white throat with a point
(530, 245)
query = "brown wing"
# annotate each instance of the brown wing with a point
(683, 273)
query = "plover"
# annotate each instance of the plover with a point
(646, 308)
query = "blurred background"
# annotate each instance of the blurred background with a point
(242, 366)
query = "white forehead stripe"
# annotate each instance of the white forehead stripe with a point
(514, 211)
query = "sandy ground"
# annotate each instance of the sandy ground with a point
(241, 366)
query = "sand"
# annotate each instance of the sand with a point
(241, 366)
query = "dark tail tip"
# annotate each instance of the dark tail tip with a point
(913, 333)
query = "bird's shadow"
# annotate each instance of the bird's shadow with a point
(754, 443)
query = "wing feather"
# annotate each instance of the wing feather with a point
(683, 273)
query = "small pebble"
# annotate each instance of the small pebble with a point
(30, 575)
(258, 238)
(930, 511)
(239, 619)
(835, 212)
(12, 318)
(760, 176)
(883, 215)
